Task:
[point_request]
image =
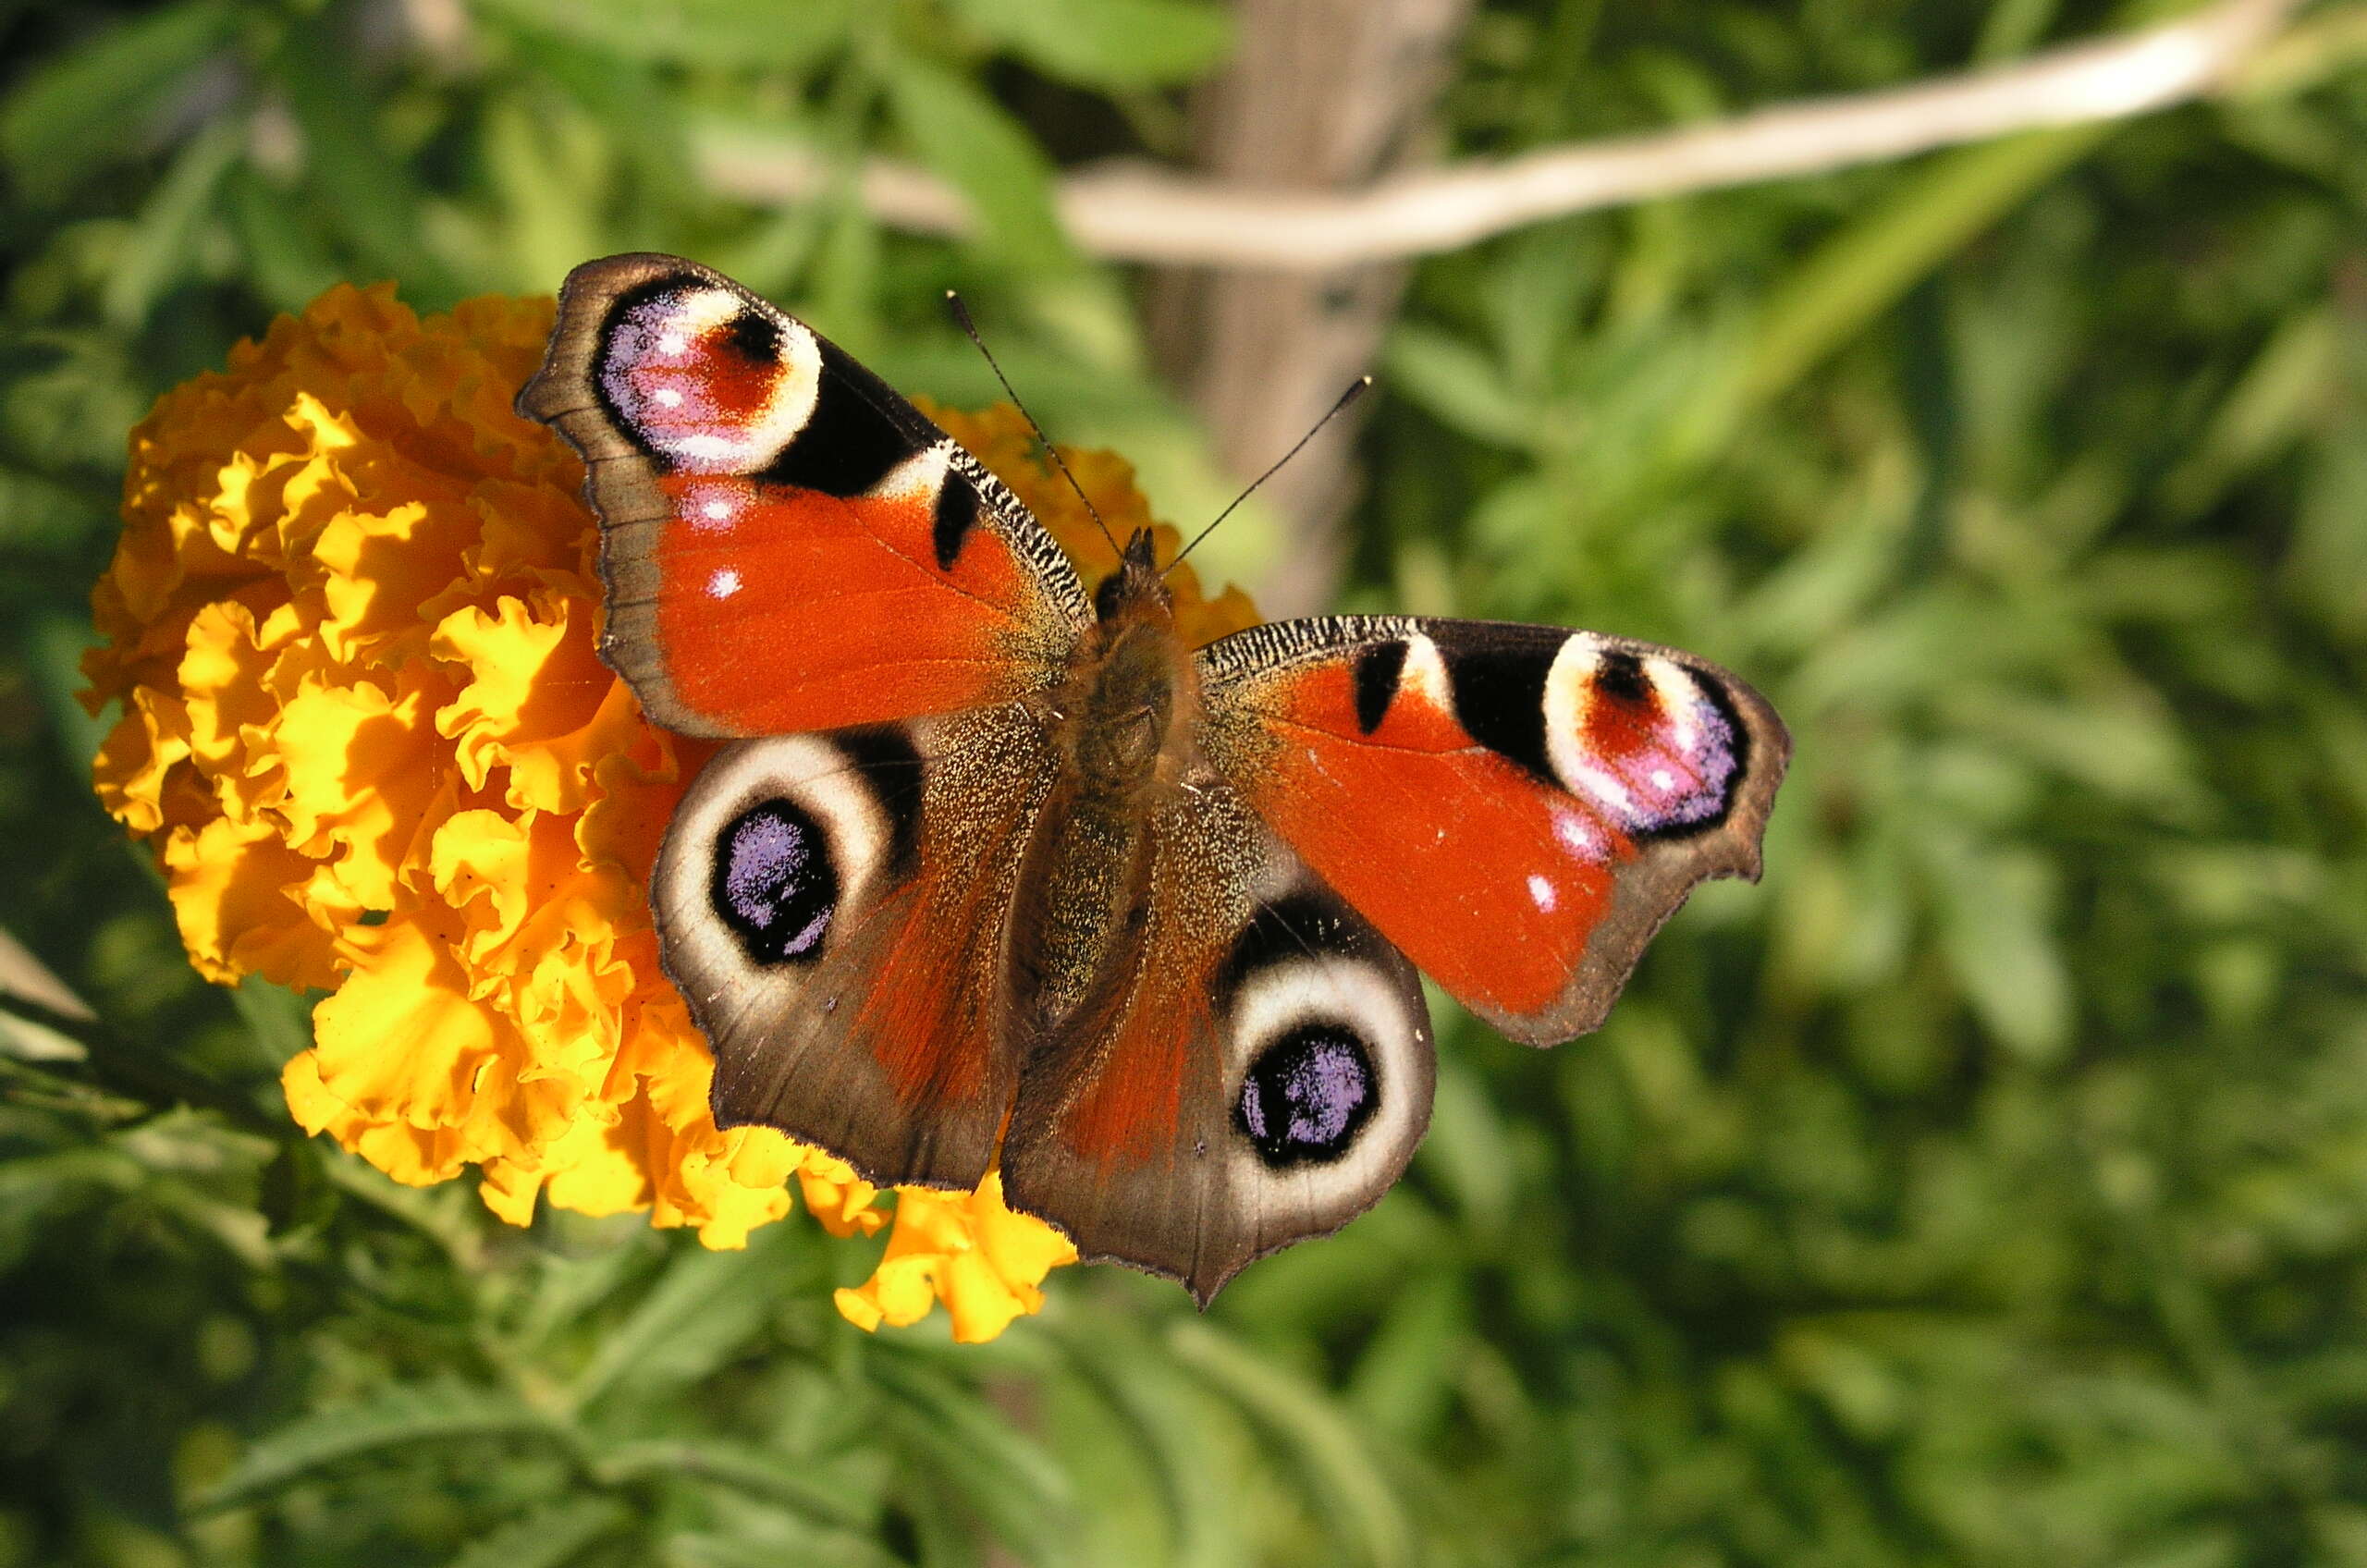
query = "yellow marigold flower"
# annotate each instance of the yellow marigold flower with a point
(350, 624)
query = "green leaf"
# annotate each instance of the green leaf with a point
(727, 33)
(351, 170)
(550, 202)
(24, 977)
(766, 1478)
(40, 516)
(401, 1416)
(550, 1536)
(163, 241)
(1466, 1149)
(699, 1314)
(55, 648)
(1108, 43)
(25, 1040)
(1864, 268)
(961, 1443)
(1315, 1437)
(280, 1020)
(967, 136)
(69, 401)
(1996, 919)
(80, 110)
(630, 100)
(1404, 1380)
(2271, 406)
(284, 263)
(567, 1287)
(1462, 386)
(294, 1191)
(1182, 1431)
(837, 1548)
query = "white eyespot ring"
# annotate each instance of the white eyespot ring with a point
(811, 774)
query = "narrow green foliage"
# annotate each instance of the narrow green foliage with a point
(101, 100)
(548, 1537)
(961, 133)
(1107, 43)
(395, 1418)
(731, 34)
(373, 194)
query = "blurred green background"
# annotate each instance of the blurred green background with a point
(1988, 1186)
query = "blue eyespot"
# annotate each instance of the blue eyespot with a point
(1307, 1094)
(774, 885)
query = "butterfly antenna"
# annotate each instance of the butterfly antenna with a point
(962, 315)
(1357, 388)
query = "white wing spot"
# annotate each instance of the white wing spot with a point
(1662, 779)
(716, 511)
(1542, 891)
(724, 583)
(1575, 836)
(668, 398)
(672, 343)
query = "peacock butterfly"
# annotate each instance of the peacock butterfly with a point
(997, 875)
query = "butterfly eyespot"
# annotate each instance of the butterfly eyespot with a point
(703, 381)
(1307, 1096)
(774, 885)
(1656, 746)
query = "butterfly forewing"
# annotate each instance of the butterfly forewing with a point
(787, 545)
(1516, 807)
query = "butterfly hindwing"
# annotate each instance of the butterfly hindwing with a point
(1256, 1070)
(833, 907)
(1518, 808)
(787, 544)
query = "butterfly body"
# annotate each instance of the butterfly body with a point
(997, 875)
(1121, 727)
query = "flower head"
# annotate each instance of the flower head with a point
(350, 623)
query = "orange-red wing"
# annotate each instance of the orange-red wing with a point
(1517, 808)
(1256, 1069)
(787, 544)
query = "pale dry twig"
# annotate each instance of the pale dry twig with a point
(1136, 212)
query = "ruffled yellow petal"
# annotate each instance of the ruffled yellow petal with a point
(138, 756)
(968, 1250)
(361, 766)
(235, 890)
(538, 700)
(222, 679)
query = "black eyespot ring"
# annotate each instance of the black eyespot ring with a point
(1307, 1096)
(774, 884)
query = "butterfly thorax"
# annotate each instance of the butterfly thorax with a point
(1132, 680)
(1122, 725)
